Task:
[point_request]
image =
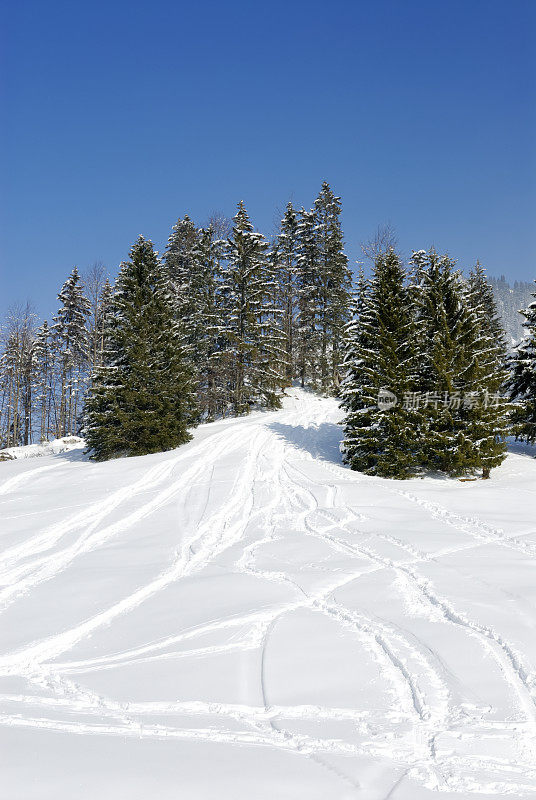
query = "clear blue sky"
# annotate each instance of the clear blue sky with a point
(121, 116)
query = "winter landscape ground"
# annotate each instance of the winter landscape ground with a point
(246, 618)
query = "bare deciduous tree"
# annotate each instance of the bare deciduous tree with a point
(383, 239)
(221, 225)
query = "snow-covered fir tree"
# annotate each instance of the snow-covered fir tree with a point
(381, 433)
(72, 344)
(192, 259)
(285, 257)
(488, 419)
(308, 280)
(334, 286)
(461, 427)
(247, 321)
(522, 384)
(141, 400)
(206, 337)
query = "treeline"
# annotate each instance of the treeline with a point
(226, 319)
(45, 370)
(241, 316)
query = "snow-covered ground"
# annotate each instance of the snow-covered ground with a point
(52, 448)
(244, 618)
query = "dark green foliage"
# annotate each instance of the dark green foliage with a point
(284, 258)
(461, 369)
(254, 343)
(141, 398)
(522, 384)
(334, 286)
(489, 418)
(380, 438)
(324, 287)
(192, 261)
(436, 345)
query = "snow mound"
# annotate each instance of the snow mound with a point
(43, 449)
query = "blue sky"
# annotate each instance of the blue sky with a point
(121, 116)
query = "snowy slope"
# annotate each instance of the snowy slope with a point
(245, 618)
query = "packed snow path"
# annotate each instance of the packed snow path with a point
(245, 618)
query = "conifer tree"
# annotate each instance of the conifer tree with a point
(308, 281)
(285, 260)
(192, 260)
(522, 384)
(488, 417)
(324, 286)
(245, 290)
(381, 433)
(461, 428)
(334, 286)
(72, 344)
(443, 321)
(141, 400)
(204, 337)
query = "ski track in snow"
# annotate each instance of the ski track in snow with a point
(279, 493)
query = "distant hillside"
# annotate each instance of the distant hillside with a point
(510, 299)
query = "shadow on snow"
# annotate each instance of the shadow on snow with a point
(321, 441)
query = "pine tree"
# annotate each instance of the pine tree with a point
(308, 281)
(206, 330)
(324, 286)
(334, 286)
(381, 433)
(72, 343)
(246, 291)
(284, 258)
(141, 400)
(442, 322)
(461, 428)
(522, 384)
(488, 418)
(192, 260)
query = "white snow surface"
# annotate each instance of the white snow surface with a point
(246, 618)
(51, 448)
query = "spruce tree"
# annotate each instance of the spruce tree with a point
(443, 323)
(72, 343)
(285, 260)
(459, 371)
(488, 417)
(522, 384)
(334, 286)
(381, 432)
(141, 400)
(308, 280)
(204, 337)
(246, 292)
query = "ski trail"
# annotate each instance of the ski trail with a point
(212, 536)
(21, 579)
(516, 675)
(276, 490)
(18, 480)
